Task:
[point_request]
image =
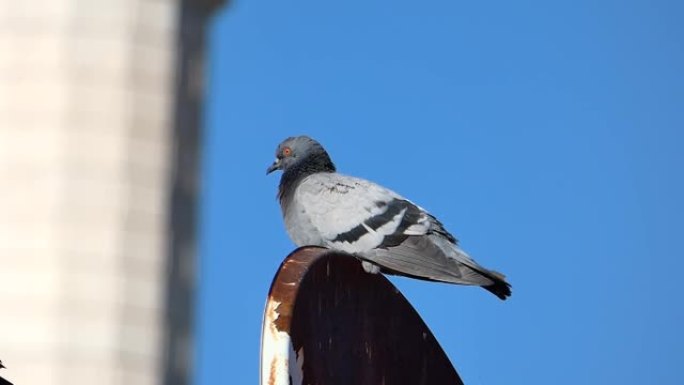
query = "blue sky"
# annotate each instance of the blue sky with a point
(547, 136)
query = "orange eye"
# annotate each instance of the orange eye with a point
(287, 151)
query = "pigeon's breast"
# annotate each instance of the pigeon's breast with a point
(298, 223)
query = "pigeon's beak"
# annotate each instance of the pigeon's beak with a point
(273, 167)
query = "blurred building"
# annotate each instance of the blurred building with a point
(99, 127)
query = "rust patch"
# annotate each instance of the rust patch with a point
(272, 377)
(286, 282)
(276, 339)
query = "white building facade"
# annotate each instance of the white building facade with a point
(99, 133)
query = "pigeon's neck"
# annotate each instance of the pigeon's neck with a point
(313, 164)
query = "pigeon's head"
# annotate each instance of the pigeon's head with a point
(303, 153)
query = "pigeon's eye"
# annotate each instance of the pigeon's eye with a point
(287, 151)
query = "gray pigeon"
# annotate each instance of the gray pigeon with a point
(387, 232)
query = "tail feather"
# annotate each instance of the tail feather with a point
(501, 289)
(436, 259)
(495, 281)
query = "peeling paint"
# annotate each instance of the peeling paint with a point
(274, 348)
(279, 363)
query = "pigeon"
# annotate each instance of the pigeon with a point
(387, 232)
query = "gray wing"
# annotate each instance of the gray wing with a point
(380, 226)
(355, 215)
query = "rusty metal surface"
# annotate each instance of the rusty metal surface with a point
(329, 322)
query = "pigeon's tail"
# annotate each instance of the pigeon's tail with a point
(500, 287)
(490, 280)
(437, 259)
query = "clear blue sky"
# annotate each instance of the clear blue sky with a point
(547, 137)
